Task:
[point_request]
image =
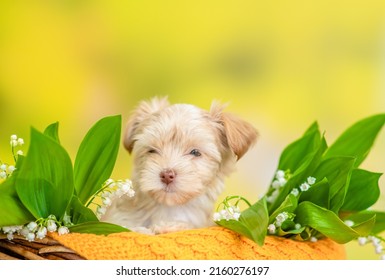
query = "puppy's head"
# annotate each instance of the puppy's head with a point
(181, 151)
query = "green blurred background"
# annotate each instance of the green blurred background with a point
(280, 64)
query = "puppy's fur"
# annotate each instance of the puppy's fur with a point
(181, 157)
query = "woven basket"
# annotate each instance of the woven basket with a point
(215, 243)
(41, 249)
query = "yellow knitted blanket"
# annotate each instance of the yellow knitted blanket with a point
(214, 243)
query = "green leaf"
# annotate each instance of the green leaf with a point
(12, 210)
(365, 228)
(363, 190)
(318, 194)
(358, 139)
(288, 205)
(100, 228)
(53, 131)
(45, 180)
(288, 229)
(338, 171)
(295, 154)
(80, 213)
(96, 157)
(252, 223)
(326, 222)
(379, 225)
(307, 168)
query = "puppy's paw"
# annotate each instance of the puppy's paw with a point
(170, 227)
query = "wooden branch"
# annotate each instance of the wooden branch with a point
(55, 249)
(39, 249)
(20, 251)
(6, 257)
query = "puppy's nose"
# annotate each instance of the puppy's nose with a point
(167, 176)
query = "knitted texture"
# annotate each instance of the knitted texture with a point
(214, 243)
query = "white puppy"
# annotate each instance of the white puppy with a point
(181, 157)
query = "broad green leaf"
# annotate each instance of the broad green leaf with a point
(256, 218)
(318, 194)
(379, 225)
(252, 223)
(96, 157)
(325, 221)
(358, 139)
(12, 210)
(363, 190)
(295, 154)
(288, 205)
(45, 180)
(337, 170)
(365, 228)
(314, 127)
(53, 131)
(288, 229)
(238, 227)
(307, 169)
(80, 213)
(100, 228)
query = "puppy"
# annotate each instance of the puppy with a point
(181, 156)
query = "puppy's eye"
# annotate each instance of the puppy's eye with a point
(195, 153)
(152, 151)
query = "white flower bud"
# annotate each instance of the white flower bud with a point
(281, 217)
(282, 182)
(3, 167)
(311, 180)
(271, 228)
(51, 225)
(24, 231)
(32, 226)
(7, 229)
(63, 230)
(295, 192)
(101, 210)
(3, 175)
(30, 237)
(280, 174)
(217, 217)
(236, 216)
(13, 137)
(304, 187)
(106, 201)
(275, 184)
(313, 239)
(105, 194)
(11, 168)
(379, 249)
(109, 181)
(10, 236)
(13, 143)
(41, 233)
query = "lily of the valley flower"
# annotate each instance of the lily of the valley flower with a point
(36, 229)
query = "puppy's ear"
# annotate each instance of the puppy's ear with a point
(236, 133)
(144, 110)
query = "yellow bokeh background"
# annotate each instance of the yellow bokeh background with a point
(280, 64)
